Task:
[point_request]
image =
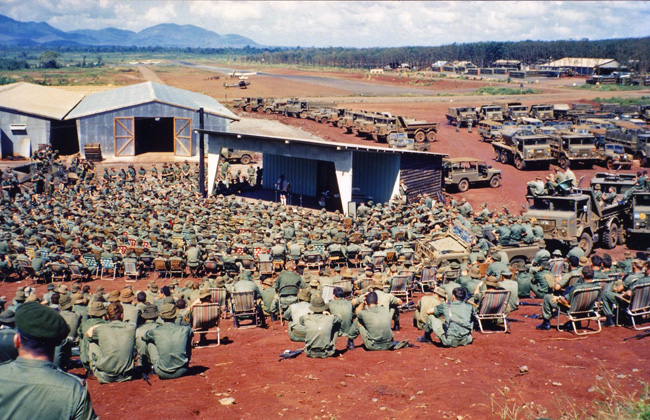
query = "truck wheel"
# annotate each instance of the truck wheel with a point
(431, 136)
(268, 111)
(622, 237)
(564, 162)
(247, 108)
(420, 137)
(495, 182)
(519, 163)
(303, 114)
(463, 185)
(450, 121)
(610, 236)
(609, 163)
(375, 137)
(497, 155)
(586, 243)
(245, 160)
(504, 157)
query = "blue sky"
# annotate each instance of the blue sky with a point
(352, 24)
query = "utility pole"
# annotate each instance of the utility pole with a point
(202, 153)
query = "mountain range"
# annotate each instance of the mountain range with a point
(14, 33)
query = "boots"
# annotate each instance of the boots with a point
(425, 338)
(274, 317)
(350, 345)
(546, 325)
(609, 321)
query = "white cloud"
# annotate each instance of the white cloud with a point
(352, 24)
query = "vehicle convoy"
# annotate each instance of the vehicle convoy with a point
(541, 112)
(570, 149)
(490, 130)
(465, 171)
(490, 112)
(635, 141)
(578, 216)
(523, 148)
(346, 122)
(464, 114)
(326, 115)
(249, 104)
(419, 131)
(639, 231)
(455, 245)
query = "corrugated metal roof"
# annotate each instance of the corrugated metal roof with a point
(43, 101)
(580, 62)
(148, 92)
(323, 143)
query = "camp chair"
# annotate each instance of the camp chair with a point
(247, 262)
(211, 268)
(122, 249)
(5, 273)
(336, 258)
(319, 247)
(378, 260)
(265, 265)
(220, 296)
(107, 264)
(428, 278)
(20, 268)
(639, 304)
(344, 284)
(75, 273)
(205, 319)
(582, 308)
(45, 254)
(30, 252)
(399, 287)
(29, 271)
(133, 242)
(59, 272)
(313, 260)
(160, 266)
(147, 263)
(286, 291)
(176, 267)
(493, 307)
(243, 306)
(130, 270)
(400, 236)
(353, 259)
(391, 257)
(91, 263)
(327, 292)
(557, 266)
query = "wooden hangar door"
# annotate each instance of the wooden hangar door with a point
(124, 136)
(182, 136)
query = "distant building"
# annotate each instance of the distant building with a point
(584, 66)
(511, 64)
(377, 71)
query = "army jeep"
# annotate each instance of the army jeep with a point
(465, 171)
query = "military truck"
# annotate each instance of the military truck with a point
(274, 106)
(249, 104)
(489, 130)
(325, 115)
(454, 245)
(295, 108)
(639, 231)
(346, 122)
(462, 172)
(419, 131)
(464, 114)
(513, 110)
(541, 112)
(490, 112)
(570, 149)
(634, 140)
(613, 156)
(578, 216)
(523, 148)
(242, 156)
(644, 113)
(364, 125)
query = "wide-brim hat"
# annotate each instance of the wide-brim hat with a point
(204, 294)
(114, 296)
(127, 295)
(7, 317)
(318, 305)
(475, 272)
(583, 261)
(304, 295)
(65, 302)
(97, 309)
(168, 311)
(150, 311)
(440, 292)
(492, 281)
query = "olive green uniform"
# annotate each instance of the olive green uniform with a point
(456, 329)
(169, 349)
(35, 389)
(373, 324)
(321, 332)
(111, 352)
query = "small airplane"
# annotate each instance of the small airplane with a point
(242, 75)
(242, 84)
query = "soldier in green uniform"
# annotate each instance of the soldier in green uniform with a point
(373, 324)
(32, 387)
(456, 329)
(111, 348)
(7, 331)
(169, 346)
(95, 316)
(321, 330)
(342, 308)
(150, 316)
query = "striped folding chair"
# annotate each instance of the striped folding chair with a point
(428, 278)
(639, 304)
(243, 307)
(399, 287)
(220, 296)
(344, 284)
(557, 266)
(493, 307)
(583, 308)
(122, 248)
(327, 292)
(205, 319)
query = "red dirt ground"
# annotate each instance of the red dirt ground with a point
(424, 382)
